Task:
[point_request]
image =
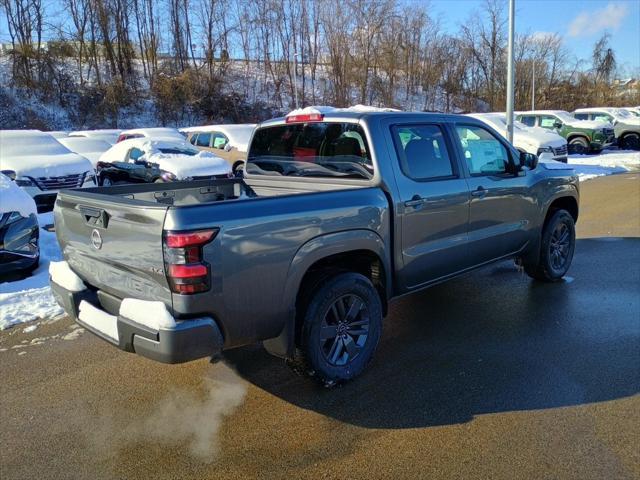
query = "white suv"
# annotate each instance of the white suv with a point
(528, 139)
(42, 166)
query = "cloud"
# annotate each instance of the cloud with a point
(541, 36)
(594, 21)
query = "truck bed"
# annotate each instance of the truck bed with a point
(181, 194)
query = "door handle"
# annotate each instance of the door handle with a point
(415, 201)
(479, 192)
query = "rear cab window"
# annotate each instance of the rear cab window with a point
(315, 149)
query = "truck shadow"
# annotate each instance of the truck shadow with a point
(493, 341)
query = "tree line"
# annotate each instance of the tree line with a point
(237, 60)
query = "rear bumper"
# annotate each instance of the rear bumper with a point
(189, 340)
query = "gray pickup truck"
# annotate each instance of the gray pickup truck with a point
(337, 214)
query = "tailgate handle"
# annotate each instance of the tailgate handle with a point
(95, 217)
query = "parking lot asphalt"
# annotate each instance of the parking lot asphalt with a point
(490, 375)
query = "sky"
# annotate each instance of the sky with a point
(579, 22)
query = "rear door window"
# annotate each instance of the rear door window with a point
(422, 152)
(322, 149)
(528, 120)
(203, 140)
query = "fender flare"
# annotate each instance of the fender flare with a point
(307, 255)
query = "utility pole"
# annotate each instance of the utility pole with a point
(295, 78)
(512, 13)
(533, 85)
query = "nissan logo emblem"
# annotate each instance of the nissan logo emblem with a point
(96, 239)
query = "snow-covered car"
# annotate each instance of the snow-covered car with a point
(42, 165)
(159, 132)
(19, 232)
(108, 135)
(626, 126)
(527, 139)
(635, 111)
(583, 136)
(58, 133)
(159, 160)
(90, 148)
(226, 141)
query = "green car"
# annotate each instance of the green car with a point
(583, 136)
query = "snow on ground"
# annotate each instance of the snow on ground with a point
(31, 298)
(606, 163)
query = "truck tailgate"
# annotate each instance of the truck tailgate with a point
(114, 244)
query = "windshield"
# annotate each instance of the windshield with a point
(311, 150)
(622, 113)
(178, 151)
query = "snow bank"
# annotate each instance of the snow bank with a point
(150, 314)
(31, 298)
(627, 159)
(14, 199)
(62, 274)
(608, 162)
(99, 320)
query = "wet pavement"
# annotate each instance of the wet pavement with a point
(490, 375)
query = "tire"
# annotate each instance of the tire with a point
(237, 168)
(580, 145)
(341, 328)
(106, 182)
(33, 267)
(631, 141)
(556, 248)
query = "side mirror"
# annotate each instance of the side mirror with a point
(557, 125)
(528, 160)
(9, 173)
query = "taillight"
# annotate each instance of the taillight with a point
(187, 272)
(121, 138)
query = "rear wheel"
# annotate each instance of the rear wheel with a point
(631, 141)
(341, 329)
(238, 168)
(579, 145)
(556, 248)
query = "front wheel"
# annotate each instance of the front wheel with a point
(556, 248)
(579, 145)
(341, 328)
